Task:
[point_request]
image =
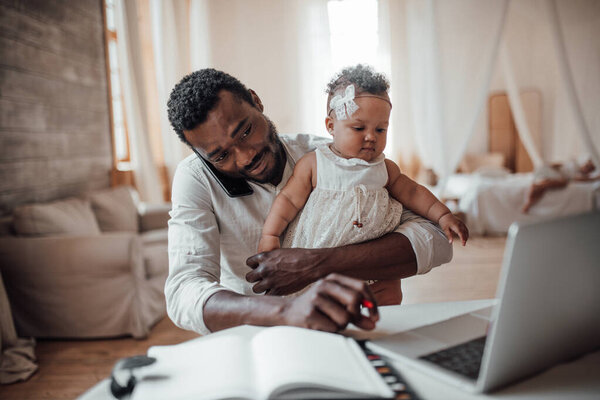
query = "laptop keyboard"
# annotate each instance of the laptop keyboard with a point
(464, 358)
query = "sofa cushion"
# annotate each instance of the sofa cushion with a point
(68, 216)
(115, 209)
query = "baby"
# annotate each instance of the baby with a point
(347, 190)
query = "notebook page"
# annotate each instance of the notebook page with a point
(205, 368)
(295, 357)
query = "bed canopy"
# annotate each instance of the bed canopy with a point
(443, 57)
(445, 39)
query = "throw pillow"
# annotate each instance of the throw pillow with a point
(68, 216)
(115, 209)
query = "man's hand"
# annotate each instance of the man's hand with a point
(449, 224)
(387, 292)
(284, 271)
(331, 304)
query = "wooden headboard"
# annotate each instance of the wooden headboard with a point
(503, 134)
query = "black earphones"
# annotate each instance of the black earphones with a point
(122, 379)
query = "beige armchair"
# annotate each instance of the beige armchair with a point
(86, 267)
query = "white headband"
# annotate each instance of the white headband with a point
(345, 106)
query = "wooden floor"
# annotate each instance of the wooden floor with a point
(471, 275)
(69, 368)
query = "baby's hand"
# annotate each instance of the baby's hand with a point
(268, 243)
(449, 223)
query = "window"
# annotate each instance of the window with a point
(354, 38)
(119, 124)
(354, 35)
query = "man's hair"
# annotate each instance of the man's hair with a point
(197, 94)
(364, 78)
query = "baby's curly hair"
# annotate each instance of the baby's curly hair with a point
(197, 94)
(364, 78)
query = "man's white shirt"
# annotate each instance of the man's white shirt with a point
(211, 235)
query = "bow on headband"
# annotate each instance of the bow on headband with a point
(344, 106)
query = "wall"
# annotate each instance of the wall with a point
(54, 117)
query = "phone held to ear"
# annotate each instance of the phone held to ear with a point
(234, 187)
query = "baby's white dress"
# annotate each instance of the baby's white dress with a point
(347, 190)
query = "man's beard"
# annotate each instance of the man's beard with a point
(274, 147)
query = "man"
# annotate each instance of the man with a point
(212, 283)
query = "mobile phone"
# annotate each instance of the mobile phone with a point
(234, 187)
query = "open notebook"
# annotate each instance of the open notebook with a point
(261, 363)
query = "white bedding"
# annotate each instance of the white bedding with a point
(492, 204)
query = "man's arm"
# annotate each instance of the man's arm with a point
(196, 301)
(329, 305)
(194, 251)
(415, 247)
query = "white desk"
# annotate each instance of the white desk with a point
(579, 379)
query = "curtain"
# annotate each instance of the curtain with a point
(567, 74)
(518, 111)
(314, 68)
(200, 41)
(134, 99)
(567, 78)
(171, 44)
(278, 48)
(441, 57)
(450, 55)
(445, 62)
(401, 145)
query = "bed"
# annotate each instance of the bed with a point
(492, 203)
(493, 191)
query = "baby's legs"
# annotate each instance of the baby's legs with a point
(387, 292)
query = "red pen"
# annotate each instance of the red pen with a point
(368, 307)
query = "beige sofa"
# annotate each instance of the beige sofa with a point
(86, 267)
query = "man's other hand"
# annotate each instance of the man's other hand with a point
(284, 271)
(331, 304)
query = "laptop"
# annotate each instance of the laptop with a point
(547, 311)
